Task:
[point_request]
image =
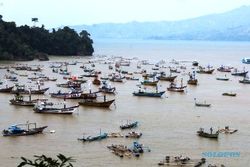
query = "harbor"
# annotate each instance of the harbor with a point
(168, 123)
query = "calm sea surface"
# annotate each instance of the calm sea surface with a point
(168, 124)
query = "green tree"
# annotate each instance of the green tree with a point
(44, 161)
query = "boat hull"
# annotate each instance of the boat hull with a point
(96, 104)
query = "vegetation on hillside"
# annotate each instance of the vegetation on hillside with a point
(44, 161)
(27, 43)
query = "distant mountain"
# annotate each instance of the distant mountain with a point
(232, 25)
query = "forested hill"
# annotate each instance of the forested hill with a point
(28, 43)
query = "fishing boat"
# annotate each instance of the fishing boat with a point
(208, 135)
(245, 80)
(44, 109)
(246, 60)
(23, 130)
(133, 134)
(70, 84)
(6, 89)
(229, 94)
(239, 73)
(129, 125)
(169, 78)
(150, 83)
(105, 88)
(69, 95)
(227, 130)
(96, 81)
(195, 63)
(205, 71)
(90, 95)
(224, 69)
(222, 78)
(192, 80)
(200, 104)
(175, 88)
(99, 137)
(95, 103)
(18, 100)
(149, 94)
(21, 90)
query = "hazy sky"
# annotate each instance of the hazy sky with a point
(54, 13)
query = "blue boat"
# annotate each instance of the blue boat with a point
(19, 130)
(94, 138)
(246, 60)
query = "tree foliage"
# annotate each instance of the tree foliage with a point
(24, 42)
(44, 161)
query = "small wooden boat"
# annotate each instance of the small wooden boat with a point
(129, 125)
(199, 104)
(202, 104)
(18, 100)
(148, 94)
(96, 81)
(43, 109)
(69, 95)
(192, 80)
(239, 73)
(21, 90)
(226, 130)
(222, 79)
(90, 95)
(175, 88)
(95, 103)
(203, 71)
(229, 94)
(224, 69)
(70, 84)
(133, 135)
(208, 135)
(17, 130)
(150, 83)
(195, 63)
(6, 89)
(245, 80)
(94, 138)
(169, 78)
(105, 88)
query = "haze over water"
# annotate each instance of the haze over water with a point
(168, 124)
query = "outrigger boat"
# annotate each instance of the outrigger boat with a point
(208, 135)
(16, 130)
